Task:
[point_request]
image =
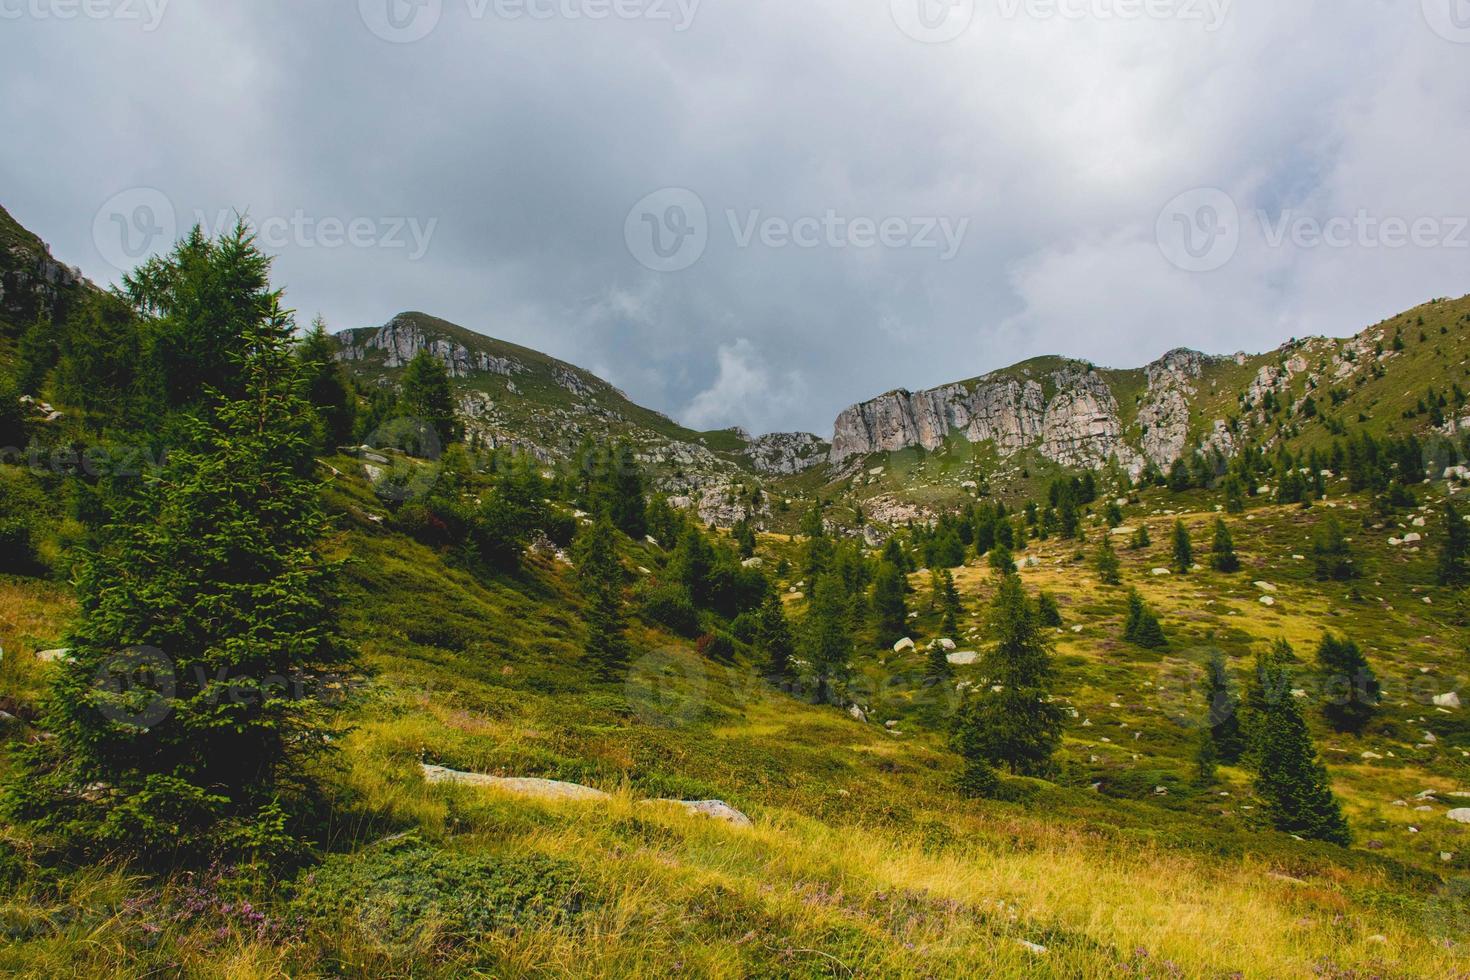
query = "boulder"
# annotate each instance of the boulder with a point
(963, 658)
(858, 714)
(51, 656)
(714, 809)
(1450, 700)
(545, 789)
(1460, 815)
(903, 645)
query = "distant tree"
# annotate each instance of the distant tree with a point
(1047, 613)
(744, 536)
(1262, 690)
(1206, 760)
(950, 602)
(1183, 550)
(626, 500)
(1001, 560)
(1140, 539)
(889, 608)
(600, 577)
(1222, 551)
(36, 355)
(1330, 552)
(428, 396)
(937, 662)
(1454, 550)
(818, 552)
(1113, 514)
(773, 636)
(1234, 495)
(1013, 722)
(1142, 627)
(12, 419)
(1179, 476)
(328, 387)
(827, 635)
(1106, 562)
(1223, 711)
(1290, 777)
(1352, 691)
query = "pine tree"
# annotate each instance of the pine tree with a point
(1330, 552)
(1262, 690)
(818, 553)
(744, 536)
(889, 608)
(1206, 759)
(1289, 776)
(1234, 495)
(1454, 549)
(1183, 550)
(1106, 563)
(328, 387)
(1222, 551)
(1001, 560)
(1353, 692)
(1140, 539)
(197, 689)
(827, 636)
(1142, 628)
(626, 500)
(1013, 723)
(428, 396)
(773, 636)
(1222, 712)
(1047, 613)
(600, 578)
(937, 663)
(950, 601)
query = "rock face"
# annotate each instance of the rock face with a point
(1069, 414)
(32, 282)
(781, 453)
(401, 339)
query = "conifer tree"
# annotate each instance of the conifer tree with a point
(950, 602)
(197, 688)
(1330, 552)
(600, 578)
(1262, 690)
(1234, 495)
(773, 636)
(328, 387)
(889, 608)
(1013, 722)
(937, 662)
(1140, 539)
(1001, 559)
(827, 636)
(427, 395)
(1106, 563)
(1206, 759)
(1352, 690)
(1142, 628)
(1222, 551)
(1290, 778)
(1454, 549)
(1183, 550)
(626, 501)
(1047, 613)
(744, 536)
(819, 549)
(1222, 719)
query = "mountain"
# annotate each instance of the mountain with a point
(32, 281)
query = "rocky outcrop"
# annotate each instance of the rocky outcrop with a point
(402, 338)
(1003, 410)
(782, 453)
(32, 283)
(1163, 418)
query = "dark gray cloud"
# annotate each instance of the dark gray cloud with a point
(485, 172)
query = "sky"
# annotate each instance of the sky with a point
(757, 212)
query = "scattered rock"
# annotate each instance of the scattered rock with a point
(714, 809)
(1461, 815)
(963, 658)
(1450, 700)
(1267, 601)
(546, 789)
(51, 656)
(902, 645)
(857, 713)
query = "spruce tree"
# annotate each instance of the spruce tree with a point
(1183, 550)
(889, 608)
(1352, 690)
(1013, 722)
(1330, 552)
(1222, 719)
(937, 663)
(1001, 560)
(197, 693)
(626, 500)
(1047, 613)
(1290, 778)
(328, 387)
(1141, 628)
(428, 396)
(1222, 551)
(827, 636)
(1454, 549)
(600, 578)
(1206, 759)
(950, 602)
(819, 549)
(1140, 539)
(1107, 564)
(773, 636)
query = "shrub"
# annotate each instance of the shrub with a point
(746, 627)
(669, 606)
(17, 549)
(407, 893)
(718, 645)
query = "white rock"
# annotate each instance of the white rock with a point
(547, 789)
(1267, 601)
(857, 713)
(1161, 571)
(1036, 948)
(904, 644)
(946, 644)
(1460, 815)
(963, 658)
(51, 656)
(714, 809)
(1264, 586)
(1450, 700)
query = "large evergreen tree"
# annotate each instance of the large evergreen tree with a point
(773, 636)
(1222, 706)
(1106, 562)
(1290, 778)
(328, 387)
(600, 577)
(949, 599)
(195, 696)
(1330, 552)
(1222, 550)
(1141, 628)
(428, 396)
(889, 607)
(1454, 548)
(827, 635)
(1183, 550)
(1013, 722)
(627, 503)
(1351, 691)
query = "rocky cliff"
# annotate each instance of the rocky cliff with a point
(1066, 410)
